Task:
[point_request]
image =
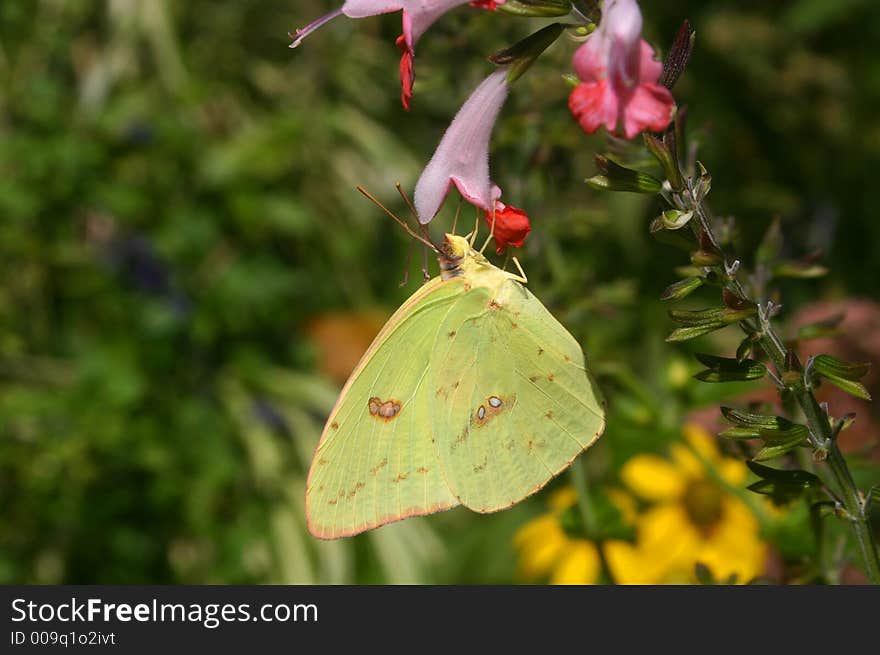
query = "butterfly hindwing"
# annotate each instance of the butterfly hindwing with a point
(515, 404)
(375, 462)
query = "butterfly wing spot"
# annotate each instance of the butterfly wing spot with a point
(451, 334)
(540, 351)
(493, 406)
(400, 477)
(332, 501)
(550, 377)
(334, 425)
(384, 410)
(422, 469)
(353, 491)
(494, 304)
(479, 468)
(460, 439)
(566, 358)
(379, 466)
(549, 414)
(533, 378)
(323, 462)
(442, 391)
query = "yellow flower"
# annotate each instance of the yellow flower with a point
(548, 552)
(691, 518)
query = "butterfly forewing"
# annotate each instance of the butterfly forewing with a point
(515, 404)
(376, 462)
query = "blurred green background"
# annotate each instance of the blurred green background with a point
(184, 258)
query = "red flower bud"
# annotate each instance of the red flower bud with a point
(511, 226)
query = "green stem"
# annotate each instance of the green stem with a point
(822, 436)
(588, 515)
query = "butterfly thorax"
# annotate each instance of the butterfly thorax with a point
(458, 259)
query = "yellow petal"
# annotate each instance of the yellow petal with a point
(562, 499)
(732, 471)
(735, 546)
(578, 564)
(539, 542)
(624, 503)
(653, 478)
(699, 444)
(628, 564)
(669, 541)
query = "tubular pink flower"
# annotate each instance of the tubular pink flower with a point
(462, 158)
(417, 16)
(619, 76)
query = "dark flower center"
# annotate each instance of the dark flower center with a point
(702, 501)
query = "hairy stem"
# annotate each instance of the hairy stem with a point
(822, 437)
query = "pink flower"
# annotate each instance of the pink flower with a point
(619, 76)
(417, 15)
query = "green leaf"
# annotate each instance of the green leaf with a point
(798, 270)
(614, 177)
(664, 155)
(538, 8)
(842, 374)
(756, 421)
(721, 315)
(724, 369)
(523, 54)
(796, 477)
(739, 433)
(682, 288)
(673, 219)
(704, 574)
(686, 333)
(769, 452)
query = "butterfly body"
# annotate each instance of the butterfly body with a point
(471, 394)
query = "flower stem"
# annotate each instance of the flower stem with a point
(822, 437)
(588, 515)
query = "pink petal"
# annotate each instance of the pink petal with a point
(648, 108)
(650, 69)
(594, 104)
(462, 156)
(589, 60)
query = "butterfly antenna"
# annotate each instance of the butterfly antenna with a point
(398, 220)
(491, 232)
(412, 210)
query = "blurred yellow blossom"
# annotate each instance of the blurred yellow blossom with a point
(547, 551)
(690, 519)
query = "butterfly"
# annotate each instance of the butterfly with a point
(471, 394)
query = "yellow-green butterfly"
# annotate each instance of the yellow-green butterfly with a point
(472, 394)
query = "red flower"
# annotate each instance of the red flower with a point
(490, 5)
(511, 226)
(407, 76)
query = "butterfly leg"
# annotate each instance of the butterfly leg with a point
(522, 274)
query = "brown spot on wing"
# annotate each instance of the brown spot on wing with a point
(422, 470)
(400, 477)
(334, 425)
(378, 467)
(386, 410)
(451, 334)
(540, 351)
(479, 468)
(353, 492)
(533, 378)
